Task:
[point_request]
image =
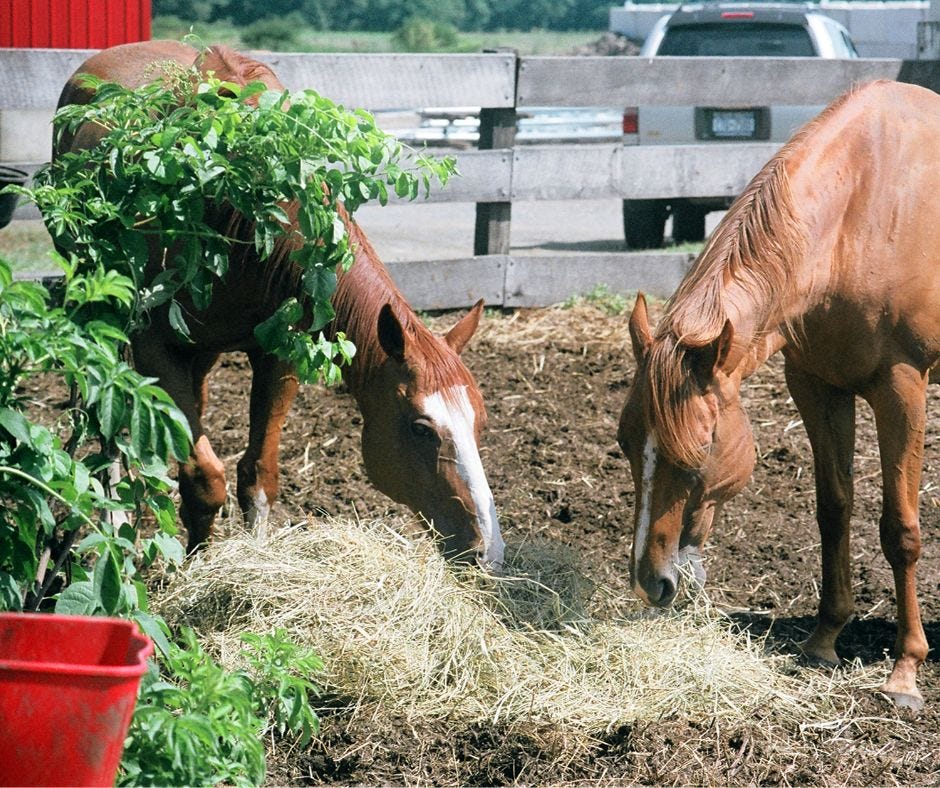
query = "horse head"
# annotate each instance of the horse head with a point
(422, 419)
(690, 449)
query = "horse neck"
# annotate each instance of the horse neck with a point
(753, 272)
(361, 292)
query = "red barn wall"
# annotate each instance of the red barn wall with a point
(73, 24)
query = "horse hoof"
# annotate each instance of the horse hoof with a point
(818, 658)
(906, 700)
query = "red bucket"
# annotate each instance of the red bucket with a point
(67, 690)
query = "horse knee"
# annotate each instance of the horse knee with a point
(834, 510)
(900, 538)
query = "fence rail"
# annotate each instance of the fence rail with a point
(503, 172)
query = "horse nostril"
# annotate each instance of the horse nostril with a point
(667, 591)
(659, 590)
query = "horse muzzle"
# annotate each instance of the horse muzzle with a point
(659, 586)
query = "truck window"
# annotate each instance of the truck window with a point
(737, 40)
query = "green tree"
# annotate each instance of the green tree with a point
(190, 10)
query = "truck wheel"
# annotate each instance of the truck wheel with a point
(643, 223)
(688, 223)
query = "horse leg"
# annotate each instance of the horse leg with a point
(273, 388)
(899, 403)
(202, 476)
(829, 417)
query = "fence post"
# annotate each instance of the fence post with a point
(497, 130)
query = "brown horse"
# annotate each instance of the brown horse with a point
(422, 411)
(831, 255)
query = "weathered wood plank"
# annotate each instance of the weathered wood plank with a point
(35, 77)
(401, 81)
(355, 80)
(566, 172)
(630, 81)
(491, 232)
(571, 172)
(485, 176)
(524, 281)
(653, 171)
(451, 284)
(539, 281)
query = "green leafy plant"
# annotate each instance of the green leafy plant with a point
(52, 486)
(280, 671)
(194, 725)
(199, 724)
(181, 154)
(175, 156)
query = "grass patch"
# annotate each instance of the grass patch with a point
(537, 42)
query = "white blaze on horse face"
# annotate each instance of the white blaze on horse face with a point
(645, 504)
(452, 411)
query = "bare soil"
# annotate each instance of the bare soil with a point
(554, 382)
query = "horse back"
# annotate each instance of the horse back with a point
(865, 178)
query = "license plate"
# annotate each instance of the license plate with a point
(740, 124)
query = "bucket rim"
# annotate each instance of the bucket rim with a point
(139, 645)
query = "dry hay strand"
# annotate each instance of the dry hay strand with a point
(581, 325)
(405, 635)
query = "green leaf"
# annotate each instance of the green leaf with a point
(15, 424)
(169, 547)
(107, 583)
(111, 410)
(140, 427)
(78, 599)
(319, 283)
(10, 593)
(177, 322)
(154, 628)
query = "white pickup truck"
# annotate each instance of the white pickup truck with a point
(721, 30)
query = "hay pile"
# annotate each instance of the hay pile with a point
(404, 636)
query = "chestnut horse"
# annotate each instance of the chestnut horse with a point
(832, 256)
(422, 411)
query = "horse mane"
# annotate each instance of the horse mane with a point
(754, 251)
(360, 295)
(361, 292)
(231, 66)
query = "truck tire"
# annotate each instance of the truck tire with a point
(644, 222)
(688, 223)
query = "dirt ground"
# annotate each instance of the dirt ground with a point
(554, 382)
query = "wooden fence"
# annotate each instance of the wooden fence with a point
(500, 173)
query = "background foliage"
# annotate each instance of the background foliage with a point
(392, 14)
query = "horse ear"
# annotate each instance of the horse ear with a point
(640, 329)
(710, 357)
(460, 334)
(391, 334)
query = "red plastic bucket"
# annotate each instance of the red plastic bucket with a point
(67, 690)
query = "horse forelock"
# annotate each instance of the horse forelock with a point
(668, 403)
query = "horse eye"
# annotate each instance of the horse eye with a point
(422, 428)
